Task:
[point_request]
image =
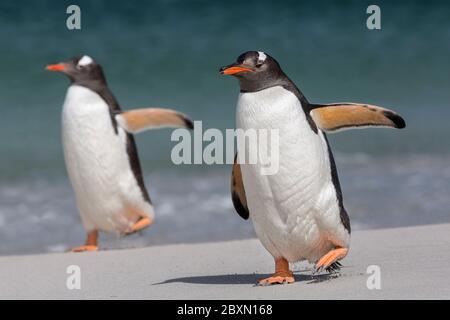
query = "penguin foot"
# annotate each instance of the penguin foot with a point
(334, 267)
(139, 225)
(91, 243)
(277, 278)
(282, 274)
(329, 262)
(84, 248)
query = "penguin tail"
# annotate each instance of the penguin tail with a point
(138, 120)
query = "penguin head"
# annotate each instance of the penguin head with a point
(255, 70)
(80, 70)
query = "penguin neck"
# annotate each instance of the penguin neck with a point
(280, 79)
(95, 85)
(100, 87)
(255, 86)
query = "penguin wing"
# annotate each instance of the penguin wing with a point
(342, 116)
(238, 191)
(138, 120)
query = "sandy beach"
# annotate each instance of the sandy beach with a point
(413, 263)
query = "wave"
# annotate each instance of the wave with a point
(39, 214)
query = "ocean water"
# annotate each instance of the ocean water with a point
(167, 54)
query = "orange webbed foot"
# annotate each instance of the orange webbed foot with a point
(84, 248)
(91, 243)
(140, 225)
(329, 261)
(277, 279)
(282, 274)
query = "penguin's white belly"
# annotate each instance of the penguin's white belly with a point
(107, 194)
(295, 211)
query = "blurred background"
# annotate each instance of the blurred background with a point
(167, 53)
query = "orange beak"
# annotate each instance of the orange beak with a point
(230, 70)
(56, 67)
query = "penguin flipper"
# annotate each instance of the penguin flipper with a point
(342, 116)
(138, 120)
(238, 192)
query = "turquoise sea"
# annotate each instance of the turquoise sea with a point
(167, 53)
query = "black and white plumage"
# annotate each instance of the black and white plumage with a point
(298, 212)
(100, 151)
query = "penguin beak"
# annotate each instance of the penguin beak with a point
(57, 67)
(234, 68)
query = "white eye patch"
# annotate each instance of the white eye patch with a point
(261, 56)
(85, 61)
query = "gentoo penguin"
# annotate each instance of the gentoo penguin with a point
(298, 212)
(101, 155)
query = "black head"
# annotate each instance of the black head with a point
(81, 70)
(255, 70)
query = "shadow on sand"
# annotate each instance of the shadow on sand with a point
(246, 279)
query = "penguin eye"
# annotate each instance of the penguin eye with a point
(80, 67)
(259, 64)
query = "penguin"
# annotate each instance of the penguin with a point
(297, 213)
(101, 155)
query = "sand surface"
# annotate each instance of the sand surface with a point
(413, 262)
